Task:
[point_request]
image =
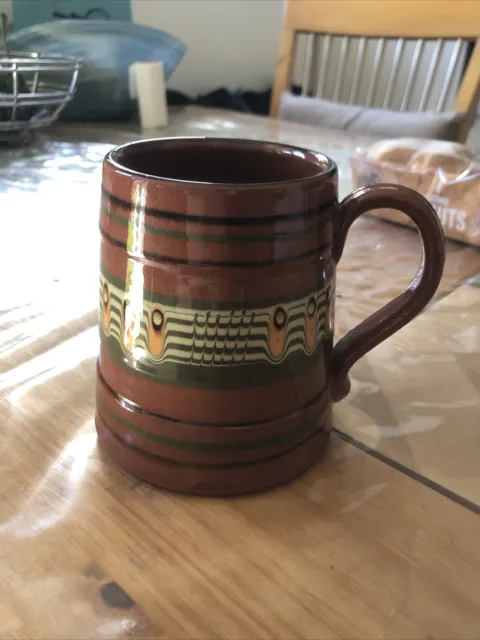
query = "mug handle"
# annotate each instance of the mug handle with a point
(397, 313)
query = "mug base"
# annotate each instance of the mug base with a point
(212, 480)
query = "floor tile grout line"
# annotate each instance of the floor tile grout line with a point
(414, 475)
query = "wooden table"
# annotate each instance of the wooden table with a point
(380, 540)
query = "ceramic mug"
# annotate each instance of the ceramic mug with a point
(217, 369)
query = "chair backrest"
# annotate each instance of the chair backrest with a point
(417, 48)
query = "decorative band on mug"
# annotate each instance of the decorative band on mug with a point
(234, 221)
(318, 403)
(230, 337)
(150, 255)
(236, 236)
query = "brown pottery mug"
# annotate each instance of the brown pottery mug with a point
(217, 369)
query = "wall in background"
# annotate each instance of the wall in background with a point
(30, 12)
(6, 7)
(231, 43)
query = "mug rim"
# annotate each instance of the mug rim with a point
(329, 170)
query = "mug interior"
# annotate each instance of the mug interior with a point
(220, 161)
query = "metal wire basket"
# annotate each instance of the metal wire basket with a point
(34, 89)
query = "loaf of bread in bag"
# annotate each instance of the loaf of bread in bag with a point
(446, 173)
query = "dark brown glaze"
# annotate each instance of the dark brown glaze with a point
(224, 284)
(200, 443)
(216, 304)
(255, 404)
(289, 247)
(218, 200)
(289, 238)
(397, 313)
(213, 480)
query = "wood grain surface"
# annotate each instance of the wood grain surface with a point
(354, 549)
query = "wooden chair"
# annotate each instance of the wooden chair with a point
(378, 22)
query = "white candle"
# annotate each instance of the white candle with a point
(147, 84)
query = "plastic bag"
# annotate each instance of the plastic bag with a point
(446, 173)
